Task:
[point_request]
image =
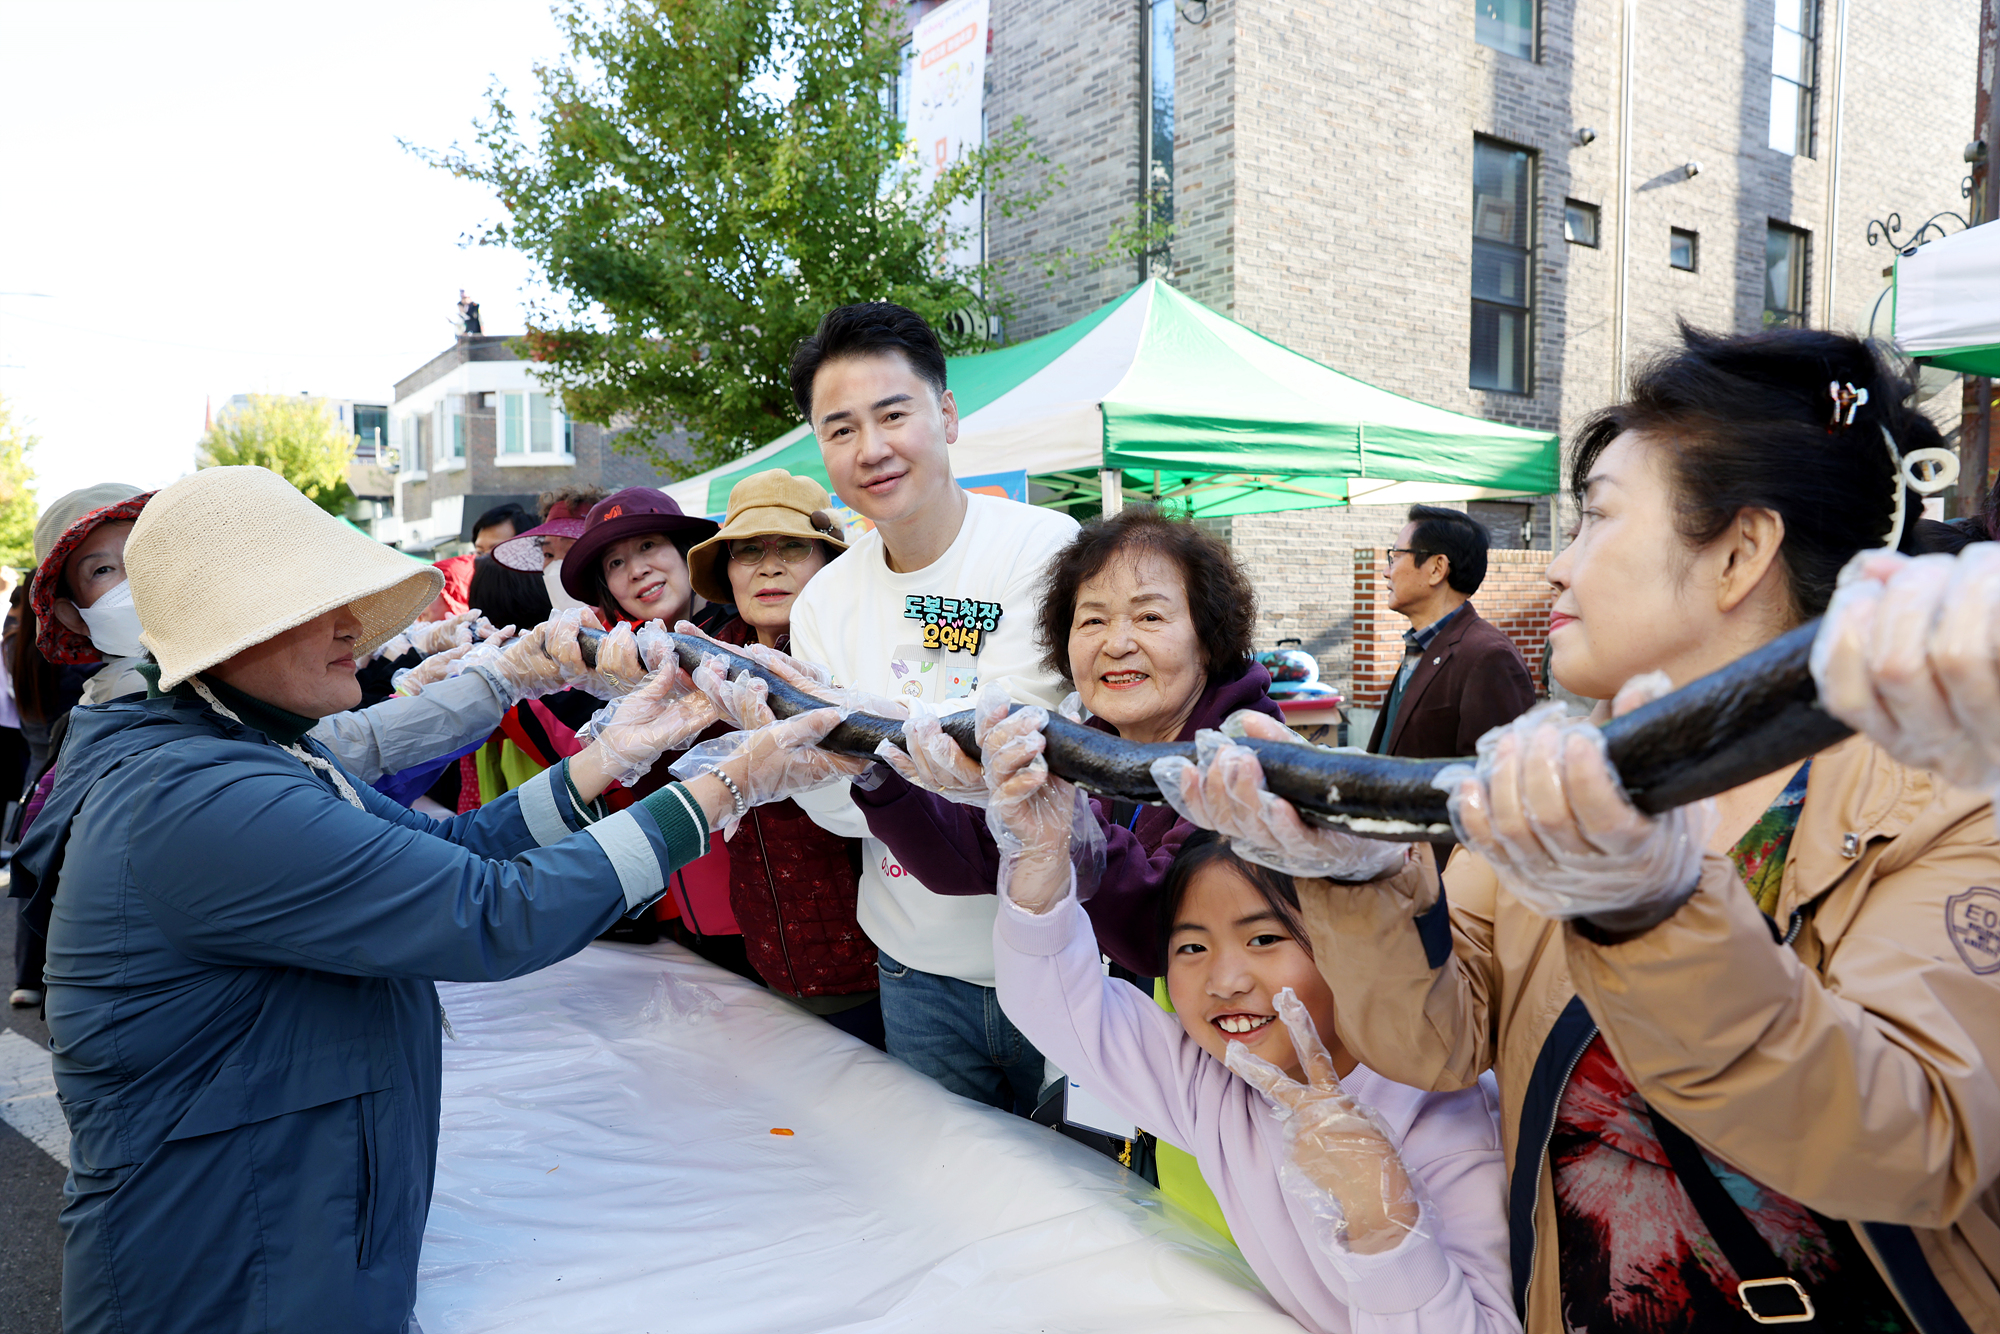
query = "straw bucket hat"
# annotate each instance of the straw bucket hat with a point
(772, 503)
(231, 557)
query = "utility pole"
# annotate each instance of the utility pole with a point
(1975, 432)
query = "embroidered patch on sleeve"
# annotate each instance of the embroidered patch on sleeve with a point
(1973, 921)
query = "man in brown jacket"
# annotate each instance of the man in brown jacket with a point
(1460, 676)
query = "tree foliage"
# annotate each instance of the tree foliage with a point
(699, 182)
(17, 492)
(296, 438)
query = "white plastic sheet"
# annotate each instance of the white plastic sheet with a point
(607, 1164)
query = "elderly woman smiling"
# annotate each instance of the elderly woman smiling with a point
(1150, 619)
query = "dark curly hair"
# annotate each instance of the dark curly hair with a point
(1745, 421)
(1219, 595)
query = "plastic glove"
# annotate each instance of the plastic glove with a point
(656, 645)
(412, 680)
(675, 1000)
(632, 731)
(619, 668)
(1545, 807)
(1908, 653)
(1042, 825)
(393, 649)
(932, 760)
(810, 677)
(779, 761)
(1340, 1162)
(429, 637)
(745, 701)
(528, 665)
(1223, 789)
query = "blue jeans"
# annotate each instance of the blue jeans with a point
(954, 1032)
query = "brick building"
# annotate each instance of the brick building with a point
(471, 429)
(1495, 206)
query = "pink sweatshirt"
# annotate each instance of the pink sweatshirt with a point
(1106, 1033)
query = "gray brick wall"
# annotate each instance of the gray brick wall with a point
(1069, 69)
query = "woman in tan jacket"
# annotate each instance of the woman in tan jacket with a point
(1745, 1050)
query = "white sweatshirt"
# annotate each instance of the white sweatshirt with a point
(867, 624)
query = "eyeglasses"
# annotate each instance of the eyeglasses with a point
(791, 551)
(1416, 554)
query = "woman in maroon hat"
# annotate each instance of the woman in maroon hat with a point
(630, 561)
(630, 565)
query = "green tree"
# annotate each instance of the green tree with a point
(700, 181)
(296, 438)
(17, 492)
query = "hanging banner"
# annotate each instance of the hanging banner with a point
(948, 104)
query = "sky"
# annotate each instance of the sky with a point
(211, 194)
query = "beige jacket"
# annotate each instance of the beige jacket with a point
(1853, 1070)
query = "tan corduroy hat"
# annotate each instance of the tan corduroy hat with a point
(769, 503)
(231, 557)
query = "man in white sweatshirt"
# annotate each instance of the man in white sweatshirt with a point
(940, 598)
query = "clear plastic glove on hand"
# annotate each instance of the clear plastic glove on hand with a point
(665, 714)
(529, 665)
(1340, 1162)
(429, 637)
(656, 646)
(933, 761)
(1042, 825)
(745, 701)
(437, 667)
(778, 761)
(1223, 789)
(619, 668)
(1908, 654)
(1544, 806)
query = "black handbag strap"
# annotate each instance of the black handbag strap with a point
(1768, 1292)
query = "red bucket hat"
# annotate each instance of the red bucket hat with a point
(56, 641)
(525, 551)
(627, 513)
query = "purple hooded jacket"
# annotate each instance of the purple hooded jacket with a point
(946, 845)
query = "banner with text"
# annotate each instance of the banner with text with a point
(948, 103)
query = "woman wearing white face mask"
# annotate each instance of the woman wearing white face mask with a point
(81, 599)
(541, 550)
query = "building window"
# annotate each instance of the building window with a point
(528, 424)
(899, 91)
(420, 444)
(1502, 314)
(1794, 56)
(371, 426)
(1683, 248)
(1787, 252)
(1505, 25)
(1580, 223)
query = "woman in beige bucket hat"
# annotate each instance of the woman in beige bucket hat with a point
(792, 884)
(241, 939)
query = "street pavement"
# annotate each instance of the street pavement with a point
(31, 1178)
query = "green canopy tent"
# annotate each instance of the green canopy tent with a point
(1155, 394)
(1947, 301)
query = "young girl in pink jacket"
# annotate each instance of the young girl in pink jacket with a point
(1362, 1204)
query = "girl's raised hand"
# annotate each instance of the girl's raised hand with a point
(1042, 825)
(1339, 1161)
(1544, 806)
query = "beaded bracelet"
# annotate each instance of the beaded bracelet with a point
(735, 792)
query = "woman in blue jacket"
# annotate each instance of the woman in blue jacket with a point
(242, 939)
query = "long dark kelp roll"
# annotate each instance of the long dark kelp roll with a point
(1749, 719)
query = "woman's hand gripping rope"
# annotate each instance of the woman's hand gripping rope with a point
(1222, 789)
